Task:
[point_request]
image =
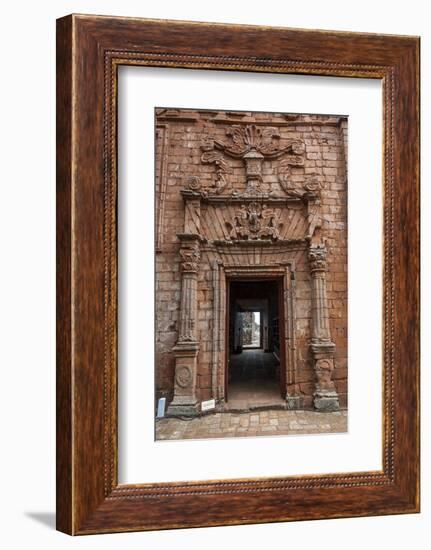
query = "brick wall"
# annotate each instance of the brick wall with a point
(179, 135)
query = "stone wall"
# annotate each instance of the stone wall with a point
(313, 181)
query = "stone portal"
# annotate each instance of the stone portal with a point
(251, 199)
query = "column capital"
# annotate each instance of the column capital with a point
(317, 254)
(189, 253)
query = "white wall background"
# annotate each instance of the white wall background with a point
(141, 459)
(27, 245)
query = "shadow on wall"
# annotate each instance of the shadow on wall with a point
(45, 518)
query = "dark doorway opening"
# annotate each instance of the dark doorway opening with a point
(255, 367)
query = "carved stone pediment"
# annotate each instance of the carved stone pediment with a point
(254, 210)
(253, 145)
(239, 221)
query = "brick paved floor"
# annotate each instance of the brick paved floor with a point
(250, 424)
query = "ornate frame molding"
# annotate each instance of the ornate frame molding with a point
(91, 500)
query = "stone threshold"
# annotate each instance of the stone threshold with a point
(245, 410)
(251, 408)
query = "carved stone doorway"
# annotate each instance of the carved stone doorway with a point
(250, 197)
(255, 375)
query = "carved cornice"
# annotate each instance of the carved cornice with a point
(291, 120)
(175, 115)
(279, 245)
(273, 200)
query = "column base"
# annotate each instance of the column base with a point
(185, 402)
(183, 407)
(326, 401)
(294, 402)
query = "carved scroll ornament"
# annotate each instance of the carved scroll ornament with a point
(311, 186)
(222, 169)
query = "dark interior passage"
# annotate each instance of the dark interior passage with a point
(254, 382)
(254, 377)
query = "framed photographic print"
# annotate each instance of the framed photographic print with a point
(238, 274)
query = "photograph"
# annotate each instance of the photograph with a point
(251, 311)
(213, 318)
(237, 280)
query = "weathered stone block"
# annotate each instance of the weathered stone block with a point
(326, 402)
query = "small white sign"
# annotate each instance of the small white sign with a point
(161, 407)
(208, 405)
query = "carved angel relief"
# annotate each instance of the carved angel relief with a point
(254, 221)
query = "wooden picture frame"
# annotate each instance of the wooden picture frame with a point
(89, 51)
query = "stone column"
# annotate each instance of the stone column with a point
(322, 348)
(187, 347)
(185, 402)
